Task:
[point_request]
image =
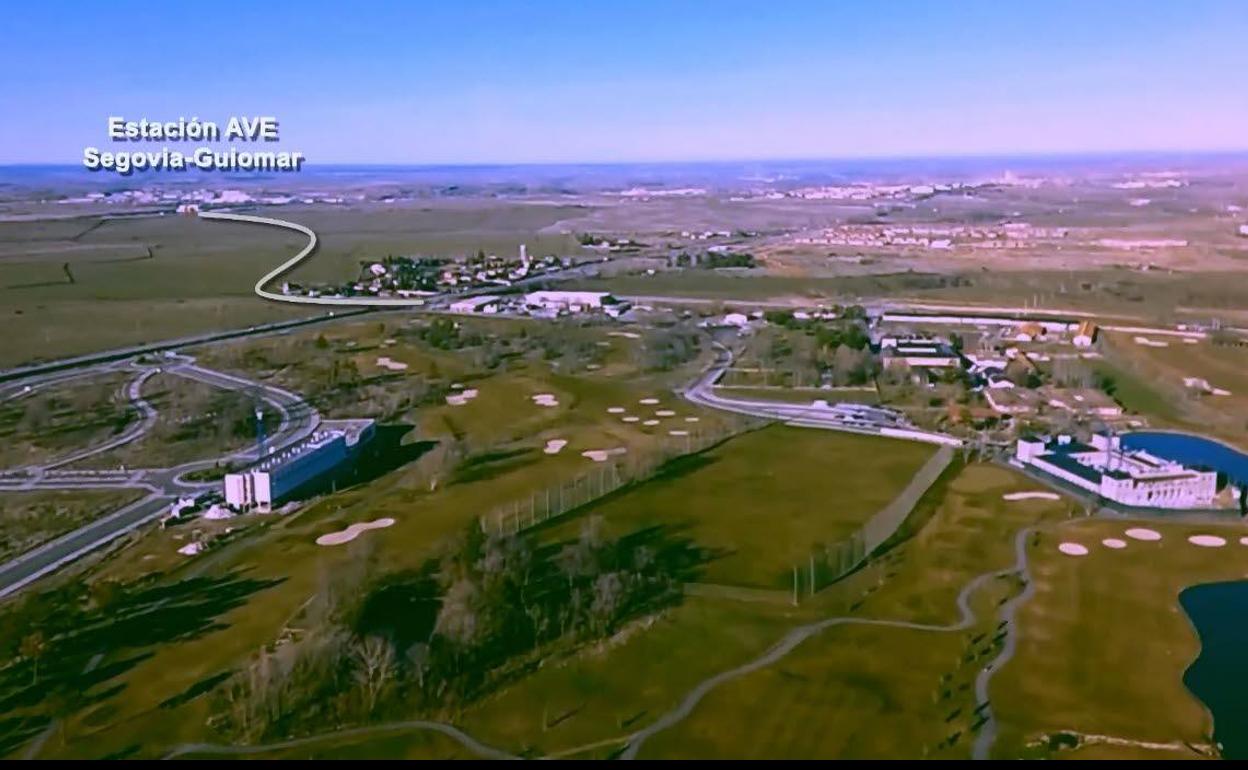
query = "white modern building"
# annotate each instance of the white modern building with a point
(557, 302)
(484, 303)
(276, 477)
(1130, 477)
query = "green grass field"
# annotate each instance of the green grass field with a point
(873, 692)
(280, 553)
(1104, 642)
(762, 501)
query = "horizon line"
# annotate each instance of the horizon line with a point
(989, 155)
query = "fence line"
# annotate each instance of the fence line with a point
(830, 563)
(551, 502)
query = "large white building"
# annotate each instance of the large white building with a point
(570, 301)
(482, 303)
(1130, 477)
(918, 352)
(276, 477)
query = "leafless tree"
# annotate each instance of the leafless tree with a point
(457, 619)
(374, 667)
(608, 593)
(418, 660)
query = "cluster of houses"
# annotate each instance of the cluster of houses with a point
(1009, 235)
(543, 304)
(409, 277)
(1008, 376)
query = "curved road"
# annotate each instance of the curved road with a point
(147, 418)
(298, 421)
(290, 264)
(874, 421)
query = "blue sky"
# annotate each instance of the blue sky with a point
(479, 81)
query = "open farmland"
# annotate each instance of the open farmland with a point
(74, 286)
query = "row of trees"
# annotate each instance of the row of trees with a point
(430, 640)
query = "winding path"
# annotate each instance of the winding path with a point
(794, 638)
(463, 738)
(787, 644)
(291, 263)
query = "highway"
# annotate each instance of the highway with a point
(29, 373)
(32, 565)
(298, 420)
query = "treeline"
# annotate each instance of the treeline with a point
(489, 609)
(716, 259)
(836, 349)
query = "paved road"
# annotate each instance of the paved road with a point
(32, 372)
(48, 557)
(147, 418)
(298, 420)
(852, 418)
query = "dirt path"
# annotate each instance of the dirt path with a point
(794, 638)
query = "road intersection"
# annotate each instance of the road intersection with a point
(298, 420)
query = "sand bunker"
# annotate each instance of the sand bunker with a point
(386, 362)
(462, 397)
(545, 399)
(1113, 542)
(1140, 533)
(1207, 541)
(678, 433)
(691, 419)
(190, 549)
(664, 413)
(1190, 341)
(626, 335)
(1031, 496)
(601, 455)
(1073, 549)
(649, 422)
(615, 410)
(1243, 541)
(352, 532)
(648, 401)
(554, 445)
(631, 418)
(1149, 343)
